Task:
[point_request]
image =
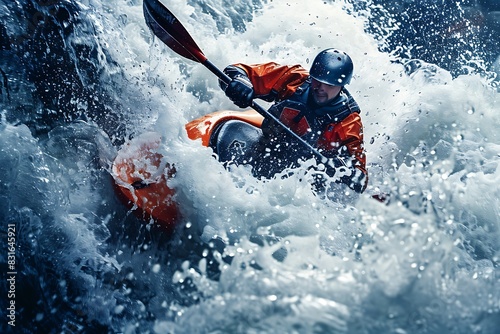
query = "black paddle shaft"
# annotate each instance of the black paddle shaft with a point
(170, 31)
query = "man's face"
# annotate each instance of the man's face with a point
(323, 93)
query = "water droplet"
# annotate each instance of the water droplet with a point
(272, 298)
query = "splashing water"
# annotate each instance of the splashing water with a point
(424, 261)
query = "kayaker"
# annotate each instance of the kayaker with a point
(315, 105)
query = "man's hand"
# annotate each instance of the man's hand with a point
(240, 91)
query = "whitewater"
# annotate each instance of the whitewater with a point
(82, 78)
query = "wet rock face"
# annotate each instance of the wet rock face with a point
(54, 69)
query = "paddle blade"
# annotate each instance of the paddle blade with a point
(170, 31)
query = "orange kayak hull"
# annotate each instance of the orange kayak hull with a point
(141, 173)
(140, 176)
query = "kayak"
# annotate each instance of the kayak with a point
(141, 173)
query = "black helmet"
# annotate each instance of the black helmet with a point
(332, 67)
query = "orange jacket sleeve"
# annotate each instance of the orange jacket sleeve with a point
(349, 134)
(271, 77)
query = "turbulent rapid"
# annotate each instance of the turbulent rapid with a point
(81, 78)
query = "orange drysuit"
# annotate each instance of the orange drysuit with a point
(335, 129)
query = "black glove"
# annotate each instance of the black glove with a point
(240, 91)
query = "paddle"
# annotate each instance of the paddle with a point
(171, 32)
